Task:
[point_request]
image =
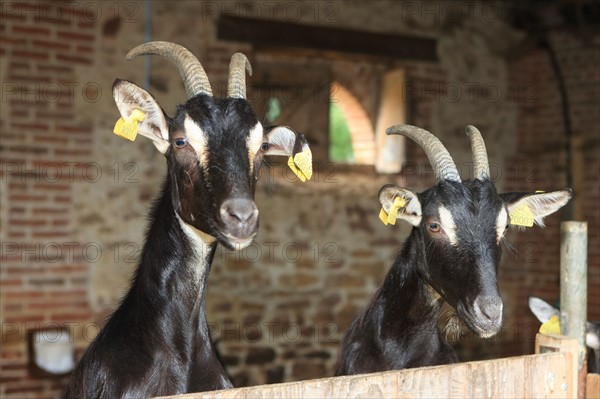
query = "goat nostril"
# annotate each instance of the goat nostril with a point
(490, 309)
(239, 210)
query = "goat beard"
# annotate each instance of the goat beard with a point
(452, 325)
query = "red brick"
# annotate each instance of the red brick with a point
(35, 55)
(18, 29)
(16, 16)
(30, 126)
(50, 211)
(74, 129)
(26, 198)
(47, 44)
(61, 152)
(50, 234)
(86, 25)
(26, 222)
(73, 59)
(21, 295)
(12, 41)
(55, 68)
(68, 35)
(12, 282)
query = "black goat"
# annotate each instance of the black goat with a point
(544, 311)
(452, 255)
(157, 342)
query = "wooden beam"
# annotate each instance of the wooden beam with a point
(267, 33)
(547, 375)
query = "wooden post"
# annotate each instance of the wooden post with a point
(560, 343)
(573, 289)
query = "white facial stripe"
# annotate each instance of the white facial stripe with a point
(255, 138)
(447, 222)
(254, 141)
(196, 137)
(501, 222)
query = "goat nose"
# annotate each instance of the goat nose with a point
(489, 307)
(239, 210)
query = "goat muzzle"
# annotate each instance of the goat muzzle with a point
(240, 219)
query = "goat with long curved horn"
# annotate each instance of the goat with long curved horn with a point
(480, 158)
(439, 157)
(194, 77)
(236, 84)
(157, 342)
(452, 256)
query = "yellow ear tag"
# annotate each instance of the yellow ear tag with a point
(383, 216)
(304, 162)
(301, 165)
(128, 128)
(390, 218)
(551, 327)
(296, 171)
(521, 216)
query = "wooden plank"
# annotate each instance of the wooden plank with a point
(535, 376)
(269, 33)
(560, 343)
(592, 386)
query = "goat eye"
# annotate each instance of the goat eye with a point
(265, 147)
(434, 227)
(180, 142)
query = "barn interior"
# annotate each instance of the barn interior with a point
(74, 197)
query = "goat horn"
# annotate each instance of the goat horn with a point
(191, 71)
(480, 158)
(439, 157)
(236, 85)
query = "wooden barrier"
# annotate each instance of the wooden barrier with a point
(552, 374)
(592, 388)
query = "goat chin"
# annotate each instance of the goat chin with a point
(235, 243)
(487, 330)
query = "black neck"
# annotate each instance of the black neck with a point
(409, 303)
(175, 262)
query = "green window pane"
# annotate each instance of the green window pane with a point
(340, 140)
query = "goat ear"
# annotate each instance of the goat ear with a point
(410, 211)
(542, 309)
(284, 141)
(592, 336)
(128, 97)
(526, 208)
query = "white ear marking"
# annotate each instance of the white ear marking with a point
(447, 222)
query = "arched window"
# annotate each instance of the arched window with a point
(351, 133)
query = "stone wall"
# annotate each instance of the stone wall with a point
(278, 309)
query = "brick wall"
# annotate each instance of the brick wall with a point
(541, 162)
(68, 186)
(44, 149)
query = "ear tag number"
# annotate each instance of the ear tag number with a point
(301, 164)
(390, 218)
(551, 327)
(128, 128)
(521, 216)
